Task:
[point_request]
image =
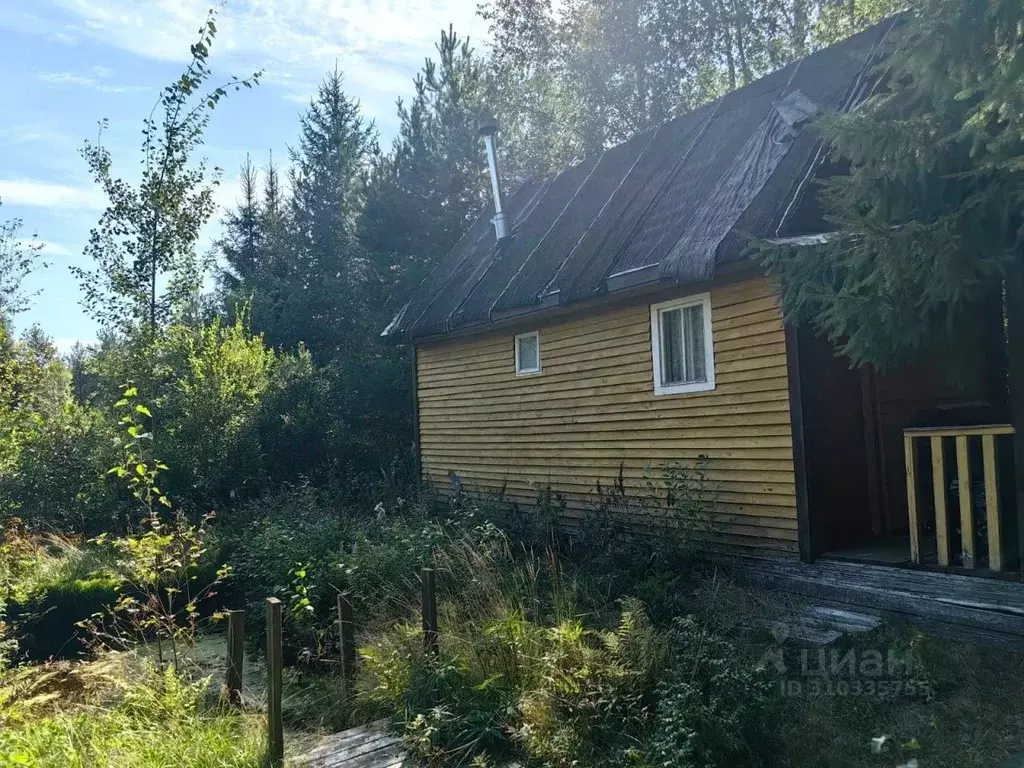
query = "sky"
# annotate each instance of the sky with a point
(67, 64)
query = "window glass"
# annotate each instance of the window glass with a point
(693, 336)
(682, 345)
(672, 346)
(528, 353)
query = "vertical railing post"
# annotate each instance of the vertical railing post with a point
(963, 484)
(993, 518)
(347, 642)
(275, 723)
(236, 651)
(910, 456)
(429, 600)
(939, 490)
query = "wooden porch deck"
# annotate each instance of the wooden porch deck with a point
(967, 607)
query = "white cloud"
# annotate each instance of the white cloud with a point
(379, 44)
(44, 132)
(52, 250)
(43, 194)
(226, 195)
(65, 38)
(93, 78)
(48, 249)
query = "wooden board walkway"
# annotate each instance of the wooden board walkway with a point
(968, 607)
(368, 746)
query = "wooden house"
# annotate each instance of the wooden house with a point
(618, 322)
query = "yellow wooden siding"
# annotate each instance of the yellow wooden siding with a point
(593, 408)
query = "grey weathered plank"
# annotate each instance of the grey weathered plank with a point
(330, 744)
(991, 609)
(346, 739)
(368, 746)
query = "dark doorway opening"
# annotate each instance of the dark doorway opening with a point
(853, 432)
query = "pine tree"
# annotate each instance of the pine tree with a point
(929, 214)
(429, 187)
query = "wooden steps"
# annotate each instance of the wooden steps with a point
(965, 607)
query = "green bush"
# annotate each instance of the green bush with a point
(711, 704)
(670, 520)
(502, 684)
(214, 380)
(461, 703)
(48, 586)
(594, 693)
(59, 477)
(380, 572)
(267, 540)
(329, 426)
(522, 672)
(464, 701)
(48, 621)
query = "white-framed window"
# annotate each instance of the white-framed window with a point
(528, 353)
(681, 344)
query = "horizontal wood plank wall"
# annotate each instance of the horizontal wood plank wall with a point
(593, 408)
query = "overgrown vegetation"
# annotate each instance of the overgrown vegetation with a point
(274, 404)
(120, 712)
(552, 652)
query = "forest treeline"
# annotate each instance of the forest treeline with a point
(278, 375)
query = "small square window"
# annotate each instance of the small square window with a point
(528, 353)
(681, 345)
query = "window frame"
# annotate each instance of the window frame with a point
(527, 371)
(703, 299)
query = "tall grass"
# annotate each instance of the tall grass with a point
(120, 712)
(534, 664)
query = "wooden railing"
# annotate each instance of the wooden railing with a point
(990, 462)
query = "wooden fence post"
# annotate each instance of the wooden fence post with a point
(236, 651)
(429, 599)
(347, 639)
(275, 725)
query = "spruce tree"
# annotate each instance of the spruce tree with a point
(929, 214)
(273, 221)
(242, 243)
(323, 283)
(329, 178)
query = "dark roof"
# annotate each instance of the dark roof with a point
(665, 206)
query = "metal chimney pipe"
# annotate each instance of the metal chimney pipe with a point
(488, 127)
